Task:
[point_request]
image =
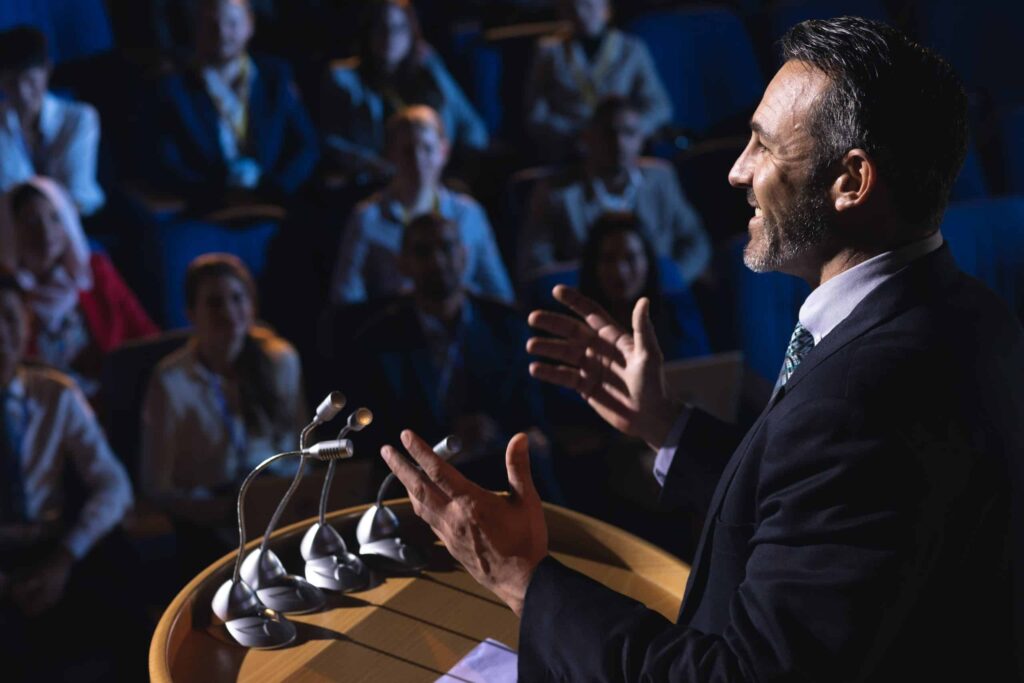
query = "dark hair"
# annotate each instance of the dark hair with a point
(896, 100)
(424, 221)
(610, 106)
(8, 283)
(608, 224)
(412, 80)
(22, 48)
(22, 194)
(261, 406)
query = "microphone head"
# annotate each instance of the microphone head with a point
(448, 447)
(335, 449)
(360, 419)
(330, 407)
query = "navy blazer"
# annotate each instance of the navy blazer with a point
(860, 530)
(281, 137)
(399, 379)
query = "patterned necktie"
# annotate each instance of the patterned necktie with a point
(12, 484)
(800, 344)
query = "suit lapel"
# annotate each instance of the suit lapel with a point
(206, 122)
(256, 138)
(925, 278)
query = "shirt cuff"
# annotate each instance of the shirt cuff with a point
(667, 452)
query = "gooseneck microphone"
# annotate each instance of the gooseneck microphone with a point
(378, 532)
(329, 564)
(249, 621)
(263, 569)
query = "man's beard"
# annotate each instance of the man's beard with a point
(799, 229)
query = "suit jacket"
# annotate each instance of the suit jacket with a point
(859, 532)
(563, 209)
(280, 138)
(400, 380)
(353, 115)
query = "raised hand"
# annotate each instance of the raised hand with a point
(499, 539)
(617, 372)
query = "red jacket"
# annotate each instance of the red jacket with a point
(111, 311)
(110, 308)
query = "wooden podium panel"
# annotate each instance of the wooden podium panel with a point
(404, 628)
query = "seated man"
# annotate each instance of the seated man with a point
(233, 125)
(445, 360)
(367, 265)
(612, 178)
(42, 134)
(57, 569)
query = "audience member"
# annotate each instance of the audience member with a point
(613, 177)
(574, 69)
(40, 133)
(445, 361)
(62, 492)
(395, 68)
(214, 409)
(619, 268)
(81, 308)
(232, 126)
(367, 263)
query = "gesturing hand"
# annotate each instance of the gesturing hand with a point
(499, 539)
(617, 372)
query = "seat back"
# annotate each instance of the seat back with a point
(125, 376)
(706, 60)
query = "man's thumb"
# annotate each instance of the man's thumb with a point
(517, 462)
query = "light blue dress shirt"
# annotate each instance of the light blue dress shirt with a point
(367, 265)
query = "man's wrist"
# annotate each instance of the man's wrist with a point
(661, 419)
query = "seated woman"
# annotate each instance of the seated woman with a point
(619, 267)
(214, 409)
(394, 69)
(574, 69)
(81, 308)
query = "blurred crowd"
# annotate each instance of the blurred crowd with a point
(234, 206)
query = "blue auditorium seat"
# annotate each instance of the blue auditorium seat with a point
(173, 244)
(977, 37)
(1009, 121)
(707, 63)
(766, 308)
(986, 237)
(971, 183)
(74, 29)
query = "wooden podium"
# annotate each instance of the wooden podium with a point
(405, 628)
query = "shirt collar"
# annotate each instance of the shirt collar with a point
(393, 210)
(196, 367)
(833, 301)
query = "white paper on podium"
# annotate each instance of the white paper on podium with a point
(488, 662)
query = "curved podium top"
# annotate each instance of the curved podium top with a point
(405, 628)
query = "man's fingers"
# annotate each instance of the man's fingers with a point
(644, 336)
(427, 498)
(559, 324)
(517, 462)
(581, 305)
(448, 479)
(570, 353)
(557, 374)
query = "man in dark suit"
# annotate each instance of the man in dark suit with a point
(232, 124)
(445, 361)
(867, 527)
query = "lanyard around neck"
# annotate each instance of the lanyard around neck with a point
(239, 124)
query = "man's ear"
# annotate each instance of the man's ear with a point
(857, 180)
